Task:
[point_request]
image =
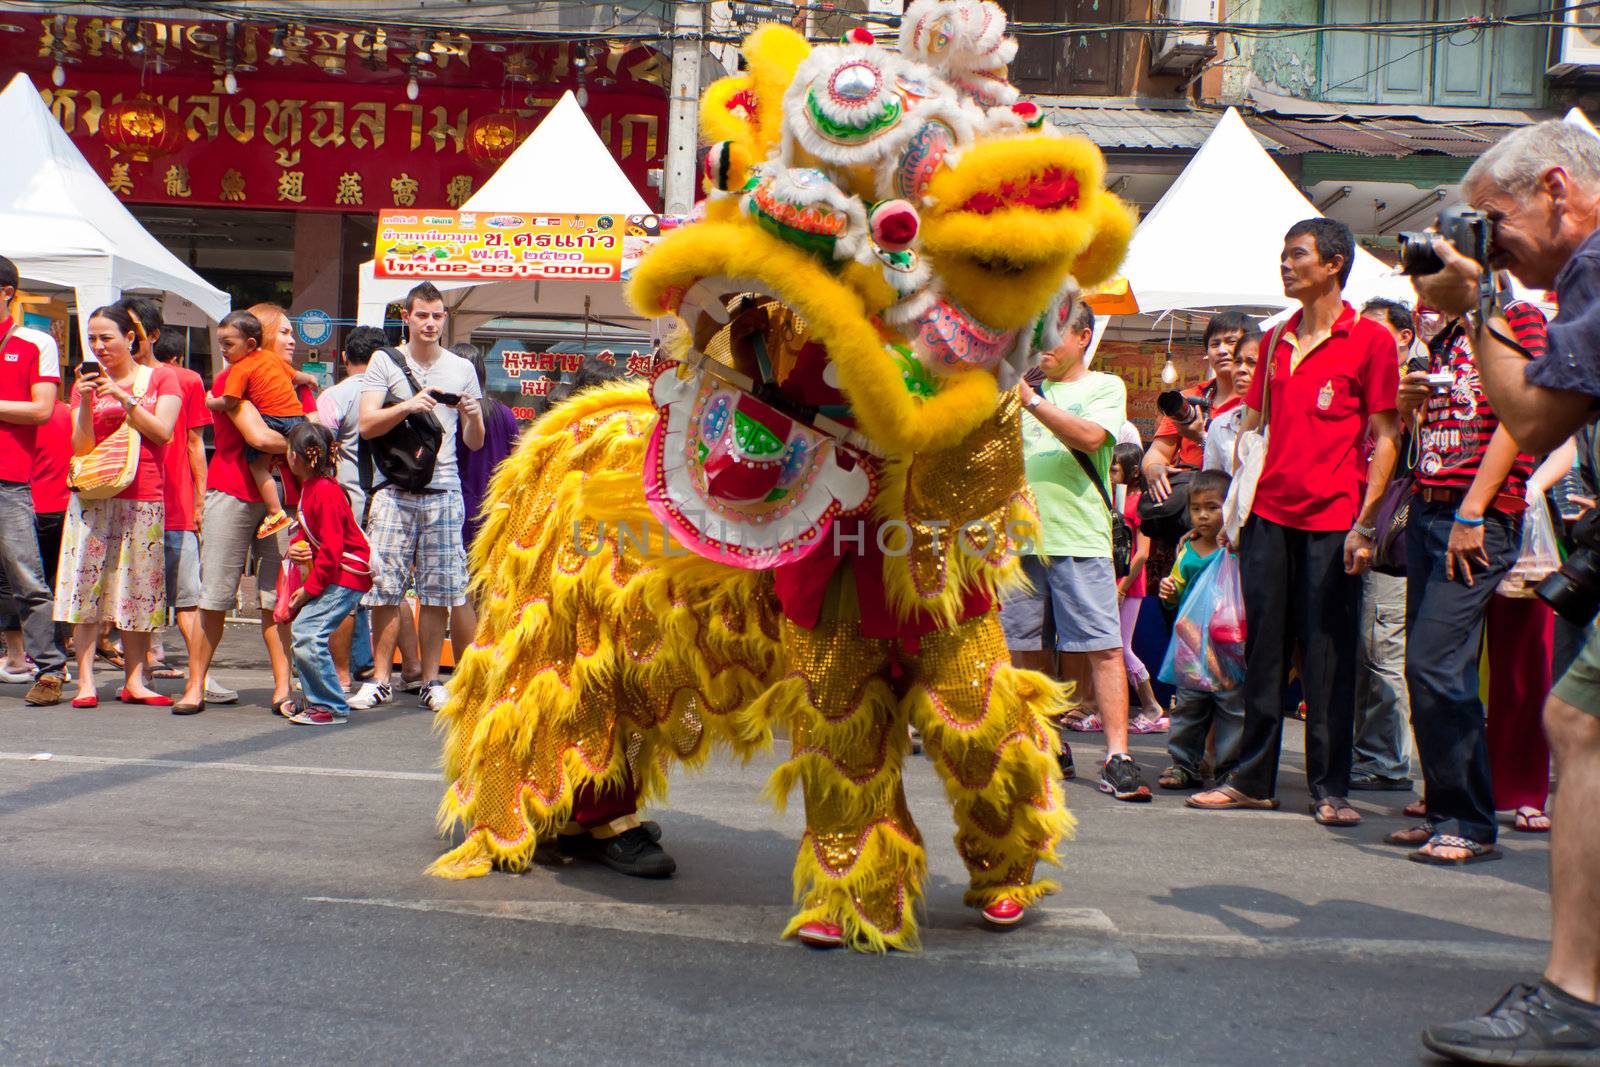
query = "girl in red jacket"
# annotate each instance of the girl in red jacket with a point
(339, 573)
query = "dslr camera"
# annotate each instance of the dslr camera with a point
(1468, 232)
(1574, 590)
(1180, 408)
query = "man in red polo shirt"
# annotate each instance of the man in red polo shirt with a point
(1332, 376)
(30, 380)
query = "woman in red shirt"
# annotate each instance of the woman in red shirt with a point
(112, 564)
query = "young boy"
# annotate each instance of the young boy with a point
(1197, 712)
(260, 376)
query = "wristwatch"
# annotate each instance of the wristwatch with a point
(1369, 532)
(1038, 398)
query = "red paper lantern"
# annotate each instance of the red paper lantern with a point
(142, 128)
(491, 138)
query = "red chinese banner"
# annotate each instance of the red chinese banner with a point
(332, 146)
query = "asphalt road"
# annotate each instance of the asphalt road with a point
(233, 888)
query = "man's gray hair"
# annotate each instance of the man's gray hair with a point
(1521, 158)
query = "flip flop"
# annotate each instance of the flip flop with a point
(1525, 816)
(164, 671)
(1236, 801)
(1477, 851)
(110, 655)
(1336, 805)
(1410, 837)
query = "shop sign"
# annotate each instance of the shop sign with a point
(498, 246)
(315, 326)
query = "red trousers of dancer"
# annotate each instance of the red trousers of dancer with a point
(593, 808)
(1521, 632)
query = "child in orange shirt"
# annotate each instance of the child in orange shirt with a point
(260, 376)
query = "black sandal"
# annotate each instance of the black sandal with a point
(1477, 851)
(1177, 778)
(1334, 805)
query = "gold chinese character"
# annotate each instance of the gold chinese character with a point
(120, 182)
(232, 185)
(177, 180)
(292, 186)
(404, 189)
(460, 187)
(349, 189)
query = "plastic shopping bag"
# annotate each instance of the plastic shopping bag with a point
(1540, 556)
(288, 584)
(1207, 649)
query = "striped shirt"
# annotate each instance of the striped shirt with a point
(1458, 425)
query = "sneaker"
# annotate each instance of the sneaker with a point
(45, 692)
(434, 696)
(370, 695)
(1378, 783)
(11, 677)
(318, 716)
(821, 934)
(1122, 779)
(270, 525)
(634, 853)
(1531, 1025)
(1003, 913)
(1068, 771)
(219, 694)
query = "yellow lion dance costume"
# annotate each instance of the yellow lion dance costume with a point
(807, 520)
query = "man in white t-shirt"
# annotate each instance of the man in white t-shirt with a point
(416, 537)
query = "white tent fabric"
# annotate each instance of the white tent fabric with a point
(1578, 118)
(563, 168)
(65, 230)
(1214, 238)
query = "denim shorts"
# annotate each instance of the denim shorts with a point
(1073, 597)
(182, 562)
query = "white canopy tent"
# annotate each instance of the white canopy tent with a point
(1214, 239)
(563, 168)
(66, 231)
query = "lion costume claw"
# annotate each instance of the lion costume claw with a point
(807, 520)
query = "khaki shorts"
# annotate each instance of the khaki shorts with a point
(228, 546)
(1580, 686)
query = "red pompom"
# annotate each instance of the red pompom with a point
(894, 225)
(859, 35)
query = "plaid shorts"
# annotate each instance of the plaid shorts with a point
(416, 544)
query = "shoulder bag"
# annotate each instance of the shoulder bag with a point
(404, 455)
(113, 463)
(1121, 535)
(1252, 453)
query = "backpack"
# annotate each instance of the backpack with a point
(404, 456)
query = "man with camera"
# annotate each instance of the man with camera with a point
(1181, 431)
(1538, 192)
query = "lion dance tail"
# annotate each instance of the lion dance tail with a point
(599, 656)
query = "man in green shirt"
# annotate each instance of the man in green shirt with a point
(1074, 593)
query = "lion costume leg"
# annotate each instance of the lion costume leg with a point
(985, 726)
(861, 862)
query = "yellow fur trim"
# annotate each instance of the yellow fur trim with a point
(1115, 222)
(990, 165)
(888, 414)
(717, 123)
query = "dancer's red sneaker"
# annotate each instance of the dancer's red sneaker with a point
(821, 934)
(1003, 913)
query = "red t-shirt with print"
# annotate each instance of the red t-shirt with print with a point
(1457, 426)
(108, 415)
(194, 415)
(1312, 476)
(28, 358)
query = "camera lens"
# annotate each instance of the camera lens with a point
(1417, 256)
(1174, 405)
(1574, 590)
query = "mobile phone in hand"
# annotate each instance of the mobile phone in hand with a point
(447, 399)
(89, 369)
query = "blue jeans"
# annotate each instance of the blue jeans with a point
(1193, 717)
(1444, 625)
(313, 661)
(361, 644)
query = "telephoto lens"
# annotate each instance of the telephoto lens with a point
(1574, 590)
(1179, 408)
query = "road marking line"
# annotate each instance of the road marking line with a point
(1083, 940)
(216, 765)
(1080, 945)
